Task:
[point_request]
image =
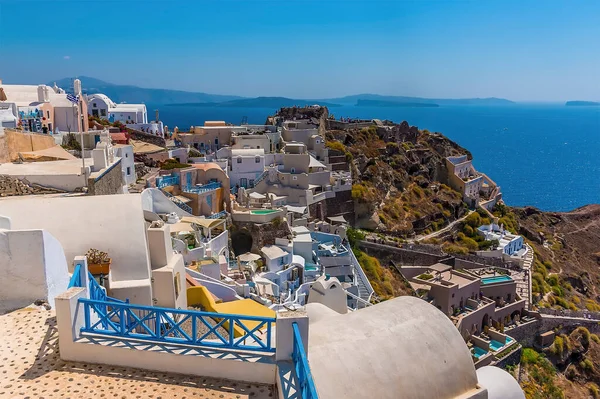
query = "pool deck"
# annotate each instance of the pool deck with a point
(32, 368)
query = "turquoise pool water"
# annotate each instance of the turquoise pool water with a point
(497, 279)
(263, 211)
(495, 345)
(479, 352)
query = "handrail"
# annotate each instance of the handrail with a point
(75, 280)
(165, 325)
(305, 381)
(361, 274)
(359, 299)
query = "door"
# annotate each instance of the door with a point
(188, 180)
(244, 182)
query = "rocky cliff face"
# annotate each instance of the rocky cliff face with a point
(400, 177)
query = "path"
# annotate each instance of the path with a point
(443, 230)
(525, 285)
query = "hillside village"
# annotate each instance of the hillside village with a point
(259, 253)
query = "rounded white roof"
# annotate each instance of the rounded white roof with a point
(110, 103)
(499, 383)
(403, 347)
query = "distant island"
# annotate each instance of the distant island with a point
(258, 102)
(582, 104)
(383, 103)
(135, 94)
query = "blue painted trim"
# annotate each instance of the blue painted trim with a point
(303, 374)
(75, 280)
(164, 325)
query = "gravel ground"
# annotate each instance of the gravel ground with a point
(201, 328)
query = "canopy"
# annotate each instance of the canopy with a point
(255, 195)
(337, 219)
(180, 227)
(141, 147)
(48, 154)
(208, 223)
(296, 209)
(249, 257)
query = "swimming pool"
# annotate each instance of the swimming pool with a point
(262, 211)
(479, 352)
(496, 279)
(495, 345)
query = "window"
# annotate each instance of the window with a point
(95, 105)
(94, 112)
(257, 160)
(294, 177)
(251, 183)
(102, 112)
(126, 155)
(129, 171)
(239, 159)
(48, 113)
(293, 170)
(217, 141)
(128, 116)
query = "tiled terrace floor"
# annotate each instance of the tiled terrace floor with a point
(30, 367)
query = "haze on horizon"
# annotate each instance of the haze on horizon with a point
(519, 50)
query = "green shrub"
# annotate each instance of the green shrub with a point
(558, 346)
(557, 291)
(170, 164)
(354, 235)
(426, 276)
(473, 220)
(594, 390)
(587, 365)
(553, 280)
(592, 306)
(336, 146)
(470, 243)
(454, 249)
(595, 338)
(467, 230)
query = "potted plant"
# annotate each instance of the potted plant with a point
(98, 262)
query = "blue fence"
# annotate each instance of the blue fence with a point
(217, 215)
(306, 385)
(75, 278)
(164, 181)
(202, 189)
(178, 326)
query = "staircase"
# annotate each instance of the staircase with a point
(177, 202)
(365, 290)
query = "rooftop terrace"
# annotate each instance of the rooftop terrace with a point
(32, 367)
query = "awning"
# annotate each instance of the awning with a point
(141, 147)
(180, 227)
(208, 223)
(296, 209)
(249, 257)
(255, 195)
(337, 219)
(49, 154)
(315, 164)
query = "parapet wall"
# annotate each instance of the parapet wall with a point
(14, 142)
(107, 182)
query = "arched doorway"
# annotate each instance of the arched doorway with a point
(241, 241)
(515, 316)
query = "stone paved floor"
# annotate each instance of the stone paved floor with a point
(30, 367)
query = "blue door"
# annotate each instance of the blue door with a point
(189, 180)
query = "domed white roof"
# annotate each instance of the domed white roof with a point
(401, 348)
(109, 103)
(499, 383)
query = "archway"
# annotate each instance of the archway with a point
(241, 241)
(516, 316)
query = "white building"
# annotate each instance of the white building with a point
(246, 166)
(102, 106)
(125, 152)
(275, 257)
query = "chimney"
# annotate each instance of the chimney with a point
(77, 87)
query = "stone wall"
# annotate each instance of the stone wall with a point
(148, 138)
(110, 181)
(527, 334)
(263, 233)
(511, 359)
(341, 204)
(10, 186)
(402, 256)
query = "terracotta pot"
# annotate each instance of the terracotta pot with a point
(99, 268)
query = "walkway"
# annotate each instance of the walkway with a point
(524, 285)
(443, 230)
(32, 367)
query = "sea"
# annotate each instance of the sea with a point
(541, 155)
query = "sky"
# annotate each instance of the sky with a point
(521, 50)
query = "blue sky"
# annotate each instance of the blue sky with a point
(521, 50)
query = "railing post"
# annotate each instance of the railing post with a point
(284, 334)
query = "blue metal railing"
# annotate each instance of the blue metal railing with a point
(202, 189)
(304, 376)
(261, 178)
(164, 181)
(178, 202)
(75, 278)
(217, 215)
(164, 325)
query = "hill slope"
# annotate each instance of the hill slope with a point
(135, 94)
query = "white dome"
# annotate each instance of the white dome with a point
(499, 383)
(401, 348)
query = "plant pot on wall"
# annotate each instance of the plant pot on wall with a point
(98, 262)
(100, 268)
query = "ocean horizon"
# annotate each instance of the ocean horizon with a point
(545, 155)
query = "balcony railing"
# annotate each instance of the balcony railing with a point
(217, 215)
(305, 381)
(76, 278)
(178, 326)
(202, 189)
(164, 181)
